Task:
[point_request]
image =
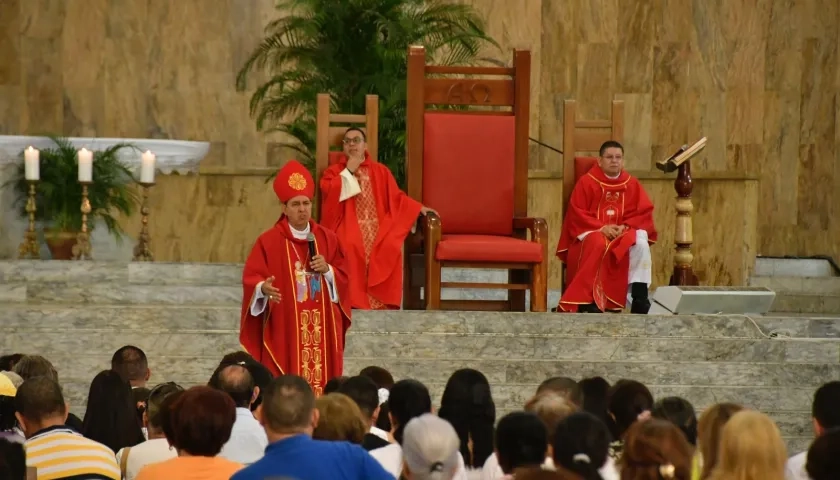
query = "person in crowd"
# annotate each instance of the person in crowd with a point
(581, 445)
(823, 459)
(430, 449)
(595, 391)
(363, 205)
(289, 417)
(8, 422)
(55, 450)
(295, 273)
(680, 412)
(131, 363)
(339, 419)
(30, 366)
(655, 448)
(12, 460)
(111, 415)
(262, 375)
(605, 239)
(364, 392)
(408, 399)
(521, 442)
(156, 449)
(384, 380)
(825, 415)
(564, 386)
(551, 408)
(468, 405)
(247, 438)
(7, 362)
(751, 448)
(709, 429)
(627, 402)
(534, 473)
(334, 384)
(197, 424)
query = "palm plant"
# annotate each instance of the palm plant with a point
(59, 195)
(352, 48)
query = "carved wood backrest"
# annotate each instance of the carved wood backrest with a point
(476, 151)
(585, 137)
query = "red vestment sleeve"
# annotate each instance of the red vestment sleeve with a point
(334, 255)
(332, 212)
(578, 218)
(251, 327)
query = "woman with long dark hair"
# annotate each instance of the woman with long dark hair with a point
(111, 414)
(468, 405)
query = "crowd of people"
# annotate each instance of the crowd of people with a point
(246, 423)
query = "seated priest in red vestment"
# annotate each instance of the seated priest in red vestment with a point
(362, 203)
(295, 309)
(606, 237)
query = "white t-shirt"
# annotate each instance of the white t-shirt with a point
(492, 470)
(795, 469)
(151, 451)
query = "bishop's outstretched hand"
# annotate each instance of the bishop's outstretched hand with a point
(270, 290)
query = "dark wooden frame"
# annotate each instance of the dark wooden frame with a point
(512, 92)
(329, 135)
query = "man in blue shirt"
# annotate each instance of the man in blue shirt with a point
(289, 416)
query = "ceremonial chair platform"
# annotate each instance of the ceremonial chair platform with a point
(186, 316)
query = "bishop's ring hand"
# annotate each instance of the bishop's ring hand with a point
(270, 290)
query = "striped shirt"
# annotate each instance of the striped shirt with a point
(61, 453)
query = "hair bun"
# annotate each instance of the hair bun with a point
(667, 471)
(581, 458)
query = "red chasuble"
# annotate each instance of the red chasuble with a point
(372, 227)
(597, 268)
(302, 334)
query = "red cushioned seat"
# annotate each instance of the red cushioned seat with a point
(487, 248)
(583, 165)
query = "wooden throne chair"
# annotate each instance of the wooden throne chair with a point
(581, 141)
(329, 133)
(468, 159)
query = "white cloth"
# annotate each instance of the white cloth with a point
(349, 186)
(492, 471)
(259, 302)
(247, 439)
(795, 468)
(149, 452)
(391, 459)
(379, 433)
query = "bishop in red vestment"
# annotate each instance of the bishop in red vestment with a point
(295, 310)
(361, 202)
(606, 237)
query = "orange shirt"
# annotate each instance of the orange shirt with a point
(190, 468)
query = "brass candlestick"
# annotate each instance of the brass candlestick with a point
(81, 250)
(142, 251)
(29, 246)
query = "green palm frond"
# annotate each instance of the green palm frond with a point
(351, 48)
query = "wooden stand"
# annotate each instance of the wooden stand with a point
(683, 274)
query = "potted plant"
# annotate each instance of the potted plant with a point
(59, 194)
(351, 48)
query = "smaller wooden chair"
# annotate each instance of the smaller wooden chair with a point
(585, 137)
(329, 132)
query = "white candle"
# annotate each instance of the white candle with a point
(147, 168)
(31, 159)
(85, 165)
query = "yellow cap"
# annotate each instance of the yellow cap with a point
(7, 388)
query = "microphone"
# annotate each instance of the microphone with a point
(312, 250)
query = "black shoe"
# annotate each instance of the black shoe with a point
(640, 303)
(590, 308)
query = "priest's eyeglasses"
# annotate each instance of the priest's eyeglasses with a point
(352, 141)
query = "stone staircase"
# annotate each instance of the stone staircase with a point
(802, 286)
(186, 316)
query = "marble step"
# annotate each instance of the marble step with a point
(135, 273)
(119, 294)
(793, 267)
(805, 303)
(829, 286)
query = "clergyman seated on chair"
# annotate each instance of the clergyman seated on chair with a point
(605, 241)
(363, 205)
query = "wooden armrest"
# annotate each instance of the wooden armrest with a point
(537, 226)
(431, 227)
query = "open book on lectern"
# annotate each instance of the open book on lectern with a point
(684, 154)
